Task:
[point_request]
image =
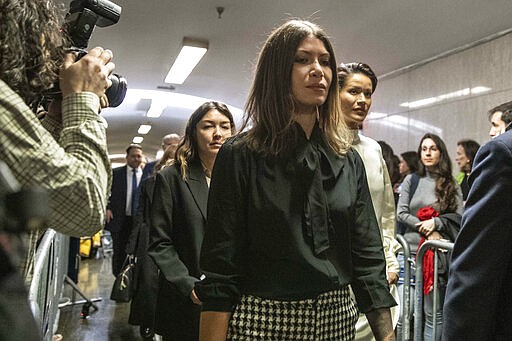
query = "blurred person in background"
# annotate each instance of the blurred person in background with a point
(466, 151)
(393, 165)
(168, 140)
(499, 118)
(123, 203)
(409, 164)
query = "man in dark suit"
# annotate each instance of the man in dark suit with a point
(168, 140)
(478, 303)
(499, 117)
(122, 204)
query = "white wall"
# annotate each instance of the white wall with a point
(488, 65)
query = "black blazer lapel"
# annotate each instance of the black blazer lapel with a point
(124, 185)
(197, 185)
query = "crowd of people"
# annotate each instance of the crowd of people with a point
(273, 198)
(284, 229)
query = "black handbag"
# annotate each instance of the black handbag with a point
(124, 286)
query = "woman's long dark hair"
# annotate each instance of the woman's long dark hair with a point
(391, 160)
(446, 187)
(187, 150)
(270, 105)
(412, 161)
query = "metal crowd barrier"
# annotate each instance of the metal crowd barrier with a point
(404, 325)
(50, 268)
(406, 315)
(418, 305)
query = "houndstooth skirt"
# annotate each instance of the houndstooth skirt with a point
(330, 316)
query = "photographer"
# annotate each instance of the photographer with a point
(66, 151)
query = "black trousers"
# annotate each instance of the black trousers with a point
(120, 239)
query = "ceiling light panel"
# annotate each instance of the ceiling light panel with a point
(144, 129)
(191, 53)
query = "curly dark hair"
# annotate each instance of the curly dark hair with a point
(31, 45)
(446, 187)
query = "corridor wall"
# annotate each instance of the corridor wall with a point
(457, 91)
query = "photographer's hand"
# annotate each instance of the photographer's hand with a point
(104, 103)
(90, 73)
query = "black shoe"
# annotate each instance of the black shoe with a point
(146, 333)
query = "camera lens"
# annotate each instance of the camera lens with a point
(117, 91)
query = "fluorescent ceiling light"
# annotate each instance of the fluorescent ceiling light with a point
(116, 156)
(161, 100)
(117, 164)
(376, 115)
(156, 108)
(138, 139)
(420, 102)
(450, 95)
(191, 53)
(159, 154)
(144, 129)
(479, 89)
(399, 122)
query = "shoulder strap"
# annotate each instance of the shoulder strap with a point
(415, 179)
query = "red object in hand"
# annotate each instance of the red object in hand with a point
(426, 213)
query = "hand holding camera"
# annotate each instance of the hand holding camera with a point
(90, 73)
(83, 16)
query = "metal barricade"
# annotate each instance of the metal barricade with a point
(418, 304)
(50, 267)
(404, 325)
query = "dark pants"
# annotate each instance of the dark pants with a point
(120, 239)
(177, 317)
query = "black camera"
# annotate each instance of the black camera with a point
(80, 21)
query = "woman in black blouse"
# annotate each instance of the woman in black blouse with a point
(290, 218)
(178, 219)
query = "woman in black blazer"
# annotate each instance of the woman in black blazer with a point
(178, 219)
(144, 301)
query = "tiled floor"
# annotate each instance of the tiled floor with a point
(109, 322)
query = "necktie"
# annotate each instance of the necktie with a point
(135, 193)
